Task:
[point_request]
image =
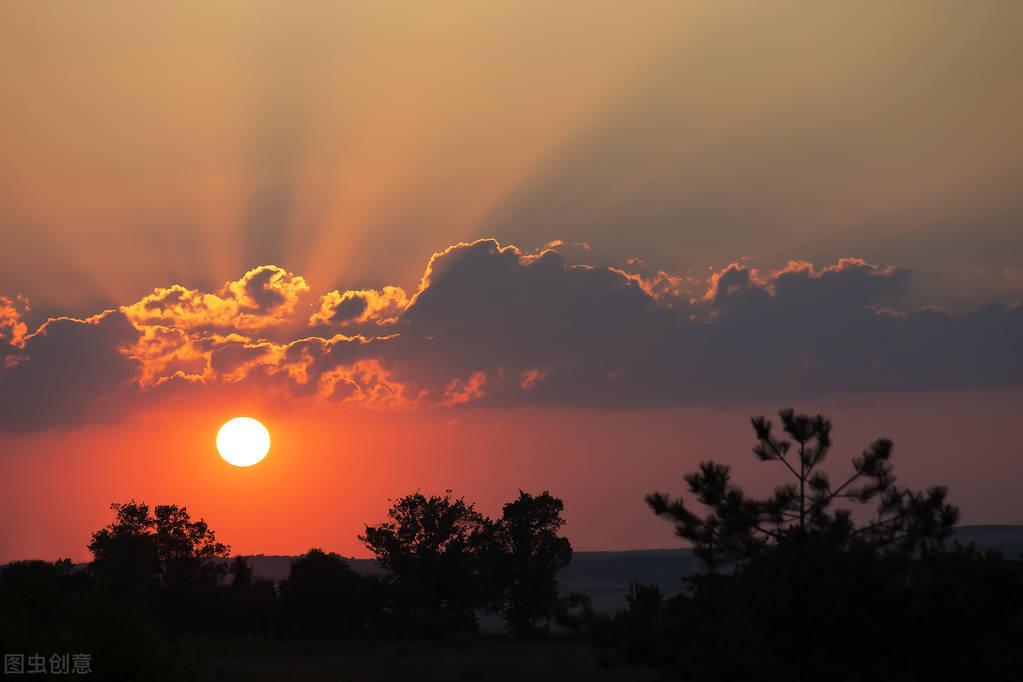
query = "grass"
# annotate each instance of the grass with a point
(489, 659)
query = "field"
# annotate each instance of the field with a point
(490, 659)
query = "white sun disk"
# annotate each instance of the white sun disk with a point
(243, 441)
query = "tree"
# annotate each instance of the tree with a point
(140, 550)
(323, 595)
(431, 550)
(530, 555)
(803, 512)
(53, 607)
(241, 574)
(247, 604)
(34, 596)
(125, 555)
(813, 594)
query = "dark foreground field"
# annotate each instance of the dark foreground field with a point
(496, 659)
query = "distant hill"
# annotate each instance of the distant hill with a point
(605, 576)
(1005, 539)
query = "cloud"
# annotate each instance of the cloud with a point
(530, 378)
(71, 371)
(560, 244)
(491, 325)
(164, 351)
(366, 383)
(362, 306)
(460, 391)
(604, 336)
(263, 297)
(12, 329)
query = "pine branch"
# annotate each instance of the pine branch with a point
(881, 523)
(778, 454)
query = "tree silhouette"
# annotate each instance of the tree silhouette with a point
(165, 547)
(530, 555)
(125, 555)
(804, 511)
(323, 595)
(431, 551)
(241, 574)
(813, 594)
(164, 561)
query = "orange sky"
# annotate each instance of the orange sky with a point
(332, 470)
(685, 163)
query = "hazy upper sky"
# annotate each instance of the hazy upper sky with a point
(688, 151)
(347, 141)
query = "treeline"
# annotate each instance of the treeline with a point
(157, 573)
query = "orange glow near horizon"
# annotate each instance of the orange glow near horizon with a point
(335, 468)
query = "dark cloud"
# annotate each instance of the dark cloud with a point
(492, 325)
(602, 336)
(491, 309)
(69, 372)
(349, 308)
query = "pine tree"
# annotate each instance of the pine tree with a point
(807, 511)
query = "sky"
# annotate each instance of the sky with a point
(498, 246)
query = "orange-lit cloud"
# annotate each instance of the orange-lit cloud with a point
(360, 306)
(263, 297)
(165, 351)
(530, 378)
(493, 325)
(12, 329)
(461, 391)
(366, 383)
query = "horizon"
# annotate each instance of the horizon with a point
(575, 551)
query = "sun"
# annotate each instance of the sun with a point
(243, 441)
